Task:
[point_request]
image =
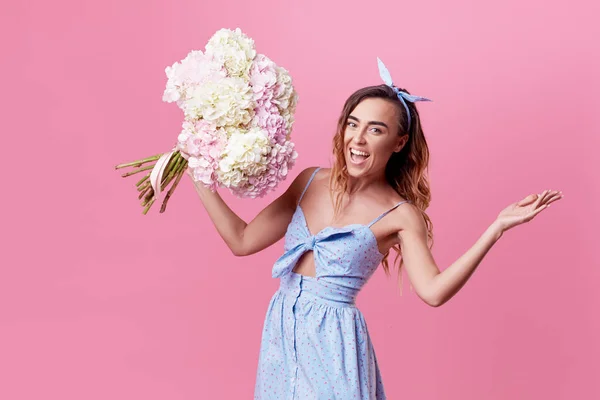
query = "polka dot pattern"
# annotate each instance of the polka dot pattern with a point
(315, 342)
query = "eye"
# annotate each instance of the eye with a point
(353, 125)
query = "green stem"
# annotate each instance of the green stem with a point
(142, 180)
(171, 190)
(170, 166)
(174, 171)
(148, 196)
(138, 170)
(148, 187)
(148, 206)
(175, 168)
(144, 186)
(137, 163)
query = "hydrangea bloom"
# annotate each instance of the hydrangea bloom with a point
(233, 49)
(201, 143)
(194, 70)
(238, 115)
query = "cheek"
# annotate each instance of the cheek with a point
(346, 137)
(383, 149)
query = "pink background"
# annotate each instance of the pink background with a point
(100, 302)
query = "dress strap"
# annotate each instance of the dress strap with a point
(386, 212)
(308, 183)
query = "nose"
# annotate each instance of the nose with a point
(359, 136)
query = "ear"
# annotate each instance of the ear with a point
(401, 143)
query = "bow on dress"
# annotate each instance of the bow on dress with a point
(300, 244)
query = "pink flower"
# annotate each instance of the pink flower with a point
(263, 77)
(201, 144)
(268, 118)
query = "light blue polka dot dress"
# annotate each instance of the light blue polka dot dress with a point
(315, 343)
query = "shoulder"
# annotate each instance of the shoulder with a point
(301, 180)
(305, 175)
(408, 217)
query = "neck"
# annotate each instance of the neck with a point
(369, 182)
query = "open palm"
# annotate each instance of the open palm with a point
(525, 210)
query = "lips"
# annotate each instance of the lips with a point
(357, 156)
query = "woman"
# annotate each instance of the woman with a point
(339, 224)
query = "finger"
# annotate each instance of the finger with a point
(537, 211)
(554, 198)
(527, 200)
(550, 196)
(539, 199)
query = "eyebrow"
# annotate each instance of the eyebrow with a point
(369, 122)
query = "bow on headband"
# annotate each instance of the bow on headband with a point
(387, 78)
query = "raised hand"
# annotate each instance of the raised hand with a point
(525, 210)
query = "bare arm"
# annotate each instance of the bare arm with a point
(432, 286)
(446, 284)
(265, 229)
(436, 287)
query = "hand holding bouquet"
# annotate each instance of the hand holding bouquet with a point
(238, 114)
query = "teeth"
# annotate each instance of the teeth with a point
(359, 153)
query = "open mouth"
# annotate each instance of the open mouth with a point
(358, 156)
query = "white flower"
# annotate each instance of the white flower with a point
(195, 69)
(285, 88)
(234, 50)
(288, 117)
(227, 101)
(246, 154)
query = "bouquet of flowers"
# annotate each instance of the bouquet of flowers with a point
(238, 111)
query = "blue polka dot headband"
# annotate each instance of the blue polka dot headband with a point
(403, 96)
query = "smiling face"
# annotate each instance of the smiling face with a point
(371, 136)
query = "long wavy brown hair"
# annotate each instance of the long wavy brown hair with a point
(406, 170)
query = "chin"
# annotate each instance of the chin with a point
(356, 170)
